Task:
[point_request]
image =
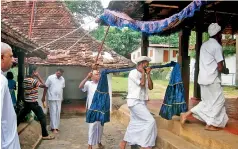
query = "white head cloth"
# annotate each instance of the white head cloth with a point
(142, 58)
(213, 29)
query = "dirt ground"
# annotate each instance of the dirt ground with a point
(74, 132)
(74, 135)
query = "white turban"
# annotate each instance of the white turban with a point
(142, 58)
(213, 29)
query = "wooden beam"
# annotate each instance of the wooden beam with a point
(148, 1)
(212, 4)
(164, 6)
(221, 12)
(184, 60)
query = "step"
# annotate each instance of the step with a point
(122, 115)
(192, 132)
(168, 140)
(29, 134)
(195, 133)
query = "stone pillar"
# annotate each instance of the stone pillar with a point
(184, 60)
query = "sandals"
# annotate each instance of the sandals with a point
(49, 137)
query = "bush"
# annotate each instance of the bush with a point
(160, 74)
(122, 74)
(156, 74)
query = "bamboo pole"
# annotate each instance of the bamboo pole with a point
(100, 49)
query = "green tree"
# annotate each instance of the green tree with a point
(229, 50)
(172, 39)
(122, 41)
(192, 38)
(85, 8)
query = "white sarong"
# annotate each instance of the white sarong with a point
(55, 109)
(211, 109)
(95, 132)
(142, 129)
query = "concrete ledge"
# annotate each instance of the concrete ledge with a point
(29, 134)
(191, 132)
(122, 115)
(196, 134)
(168, 140)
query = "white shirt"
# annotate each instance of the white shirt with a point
(89, 87)
(9, 135)
(55, 87)
(136, 93)
(210, 55)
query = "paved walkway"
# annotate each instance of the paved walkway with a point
(74, 131)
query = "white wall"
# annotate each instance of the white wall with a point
(136, 54)
(171, 55)
(73, 75)
(153, 58)
(158, 54)
(226, 79)
(230, 78)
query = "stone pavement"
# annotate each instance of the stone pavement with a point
(74, 132)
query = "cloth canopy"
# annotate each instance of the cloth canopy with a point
(100, 107)
(121, 20)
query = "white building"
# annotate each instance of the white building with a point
(228, 79)
(159, 53)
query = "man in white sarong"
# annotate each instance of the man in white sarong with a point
(9, 135)
(142, 129)
(95, 129)
(55, 84)
(211, 109)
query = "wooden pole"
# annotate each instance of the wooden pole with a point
(145, 38)
(144, 45)
(100, 49)
(32, 17)
(21, 75)
(184, 60)
(199, 31)
(236, 60)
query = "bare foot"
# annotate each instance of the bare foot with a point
(100, 146)
(211, 128)
(55, 131)
(182, 118)
(122, 145)
(90, 147)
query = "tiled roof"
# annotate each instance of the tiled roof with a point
(15, 37)
(52, 20)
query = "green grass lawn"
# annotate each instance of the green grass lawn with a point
(120, 84)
